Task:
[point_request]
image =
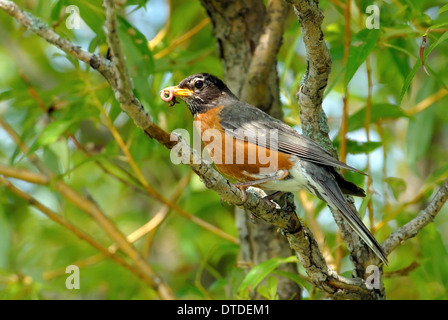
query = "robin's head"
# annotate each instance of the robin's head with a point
(200, 92)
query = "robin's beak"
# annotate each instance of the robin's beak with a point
(175, 92)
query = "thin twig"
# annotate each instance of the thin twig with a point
(94, 211)
(403, 271)
(24, 175)
(151, 225)
(72, 228)
(44, 31)
(424, 217)
(178, 41)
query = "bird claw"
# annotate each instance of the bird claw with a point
(268, 200)
(243, 192)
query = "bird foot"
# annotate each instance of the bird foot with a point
(243, 192)
(274, 195)
(268, 200)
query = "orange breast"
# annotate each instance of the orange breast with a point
(240, 160)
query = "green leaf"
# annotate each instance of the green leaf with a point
(269, 291)
(7, 94)
(115, 109)
(56, 10)
(438, 175)
(400, 58)
(272, 286)
(138, 3)
(294, 277)
(362, 44)
(139, 58)
(263, 291)
(363, 207)
(419, 134)
(379, 112)
(443, 9)
(259, 272)
(358, 147)
(438, 26)
(51, 132)
(93, 15)
(396, 185)
(96, 42)
(6, 231)
(434, 260)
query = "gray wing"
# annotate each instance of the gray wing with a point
(248, 123)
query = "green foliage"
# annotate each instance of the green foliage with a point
(397, 185)
(379, 112)
(62, 110)
(362, 44)
(251, 284)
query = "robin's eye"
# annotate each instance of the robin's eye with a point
(199, 84)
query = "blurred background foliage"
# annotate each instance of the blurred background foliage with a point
(65, 113)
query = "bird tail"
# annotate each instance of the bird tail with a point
(328, 190)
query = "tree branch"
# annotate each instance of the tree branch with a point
(44, 31)
(424, 217)
(314, 82)
(211, 178)
(313, 118)
(134, 108)
(75, 230)
(123, 89)
(265, 54)
(319, 272)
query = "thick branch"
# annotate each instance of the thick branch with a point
(310, 95)
(265, 54)
(313, 118)
(320, 273)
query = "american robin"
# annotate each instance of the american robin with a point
(256, 149)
